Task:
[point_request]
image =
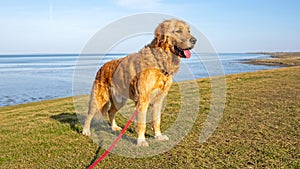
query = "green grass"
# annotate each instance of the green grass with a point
(259, 129)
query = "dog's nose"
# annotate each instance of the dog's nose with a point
(193, 40)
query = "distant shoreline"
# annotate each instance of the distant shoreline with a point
(284, 59)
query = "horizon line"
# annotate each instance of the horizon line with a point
(123, 53)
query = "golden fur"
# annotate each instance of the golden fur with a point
(145, 77)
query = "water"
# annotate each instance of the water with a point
(29, 78)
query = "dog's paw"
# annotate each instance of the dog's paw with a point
(161, 137)
(86, 132)
(116, 128)
(142, 143)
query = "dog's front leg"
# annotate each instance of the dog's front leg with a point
(142, 107)
(156, 117)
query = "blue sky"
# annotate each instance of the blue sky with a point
(55, 26)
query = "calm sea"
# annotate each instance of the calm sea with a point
(30, 78)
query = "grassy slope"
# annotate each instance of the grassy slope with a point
(260, 128)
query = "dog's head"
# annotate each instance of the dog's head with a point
(175, 35)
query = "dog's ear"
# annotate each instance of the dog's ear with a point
(161, 36)
(159, 33)
(162, 28)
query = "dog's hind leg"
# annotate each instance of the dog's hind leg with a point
(115, 106)
(99, 99)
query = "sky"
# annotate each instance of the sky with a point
(55, 26)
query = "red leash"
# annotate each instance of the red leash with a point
(115, 142)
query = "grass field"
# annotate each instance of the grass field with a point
(259, 129)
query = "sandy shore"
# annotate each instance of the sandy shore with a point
(278, 59)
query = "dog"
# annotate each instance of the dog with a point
(145, 77)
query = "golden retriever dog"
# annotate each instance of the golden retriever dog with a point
(145, 77)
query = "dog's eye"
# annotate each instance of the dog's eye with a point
(178, 31)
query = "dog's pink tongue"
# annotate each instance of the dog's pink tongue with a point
(187, 53)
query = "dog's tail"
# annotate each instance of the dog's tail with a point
(99, 98)
(93, 109)
(100, 95)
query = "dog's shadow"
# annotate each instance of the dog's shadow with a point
(69, 118)
(99, 126)
(100, 132)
